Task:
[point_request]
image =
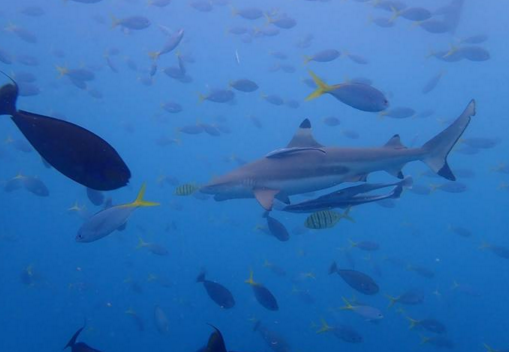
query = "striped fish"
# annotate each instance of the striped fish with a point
(326, 219)
(186, 189)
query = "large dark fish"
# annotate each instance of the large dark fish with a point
(80, 346)
(356, 280)
(348, 197)
(74, 151)
(217, 292)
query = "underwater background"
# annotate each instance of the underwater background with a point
(448, 243)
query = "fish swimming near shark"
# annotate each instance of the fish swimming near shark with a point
(306, 165)
(348, 197)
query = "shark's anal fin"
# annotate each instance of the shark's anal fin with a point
(303, 138)
(265, 197)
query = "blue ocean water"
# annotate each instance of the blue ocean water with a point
(50, 283)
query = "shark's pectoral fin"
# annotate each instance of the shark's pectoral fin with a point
(265, 197)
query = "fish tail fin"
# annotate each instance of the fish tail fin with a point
(141, 243)
(438, 148)
(201, 98)
(154, 55)
(267, 264)
(413, 322)
(201, 277)
(324, 328)
(392, 300)
(346, 215)
(72, 341)
(395, 14)
(453, 49)
(140, 202)
(424, 339)
(307, 59)
(62, 70)
(484, 245)
(322, 87)
(250, 281)
(267, 17)
(8, 97)
(488, 348)
(347, 305)
(352, 243)
(333, 268)
(455, 285)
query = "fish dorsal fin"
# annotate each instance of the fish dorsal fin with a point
(304, 137)
(216, 341)
(395, 143)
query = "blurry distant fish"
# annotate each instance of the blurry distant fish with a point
(33, 11)
(359, 96)
(159, 3)
(323, 56)
(161, 321)
(80, 346)
(343, 332)
(437, 341)
(412, 14)
(410, 297)
(217, 292)
(248, 13)
(331, 121)
(355, 279)
(398, 112)
(282, 21)
(35, 186)
(449, 187)
(201, 5)
(498, 250)
(22, 33)
(460, 231)
(244, 85)
(429, 324)
(153, 248)
(262, 294)
(218, 96)
(355, 58)
(422, 271)
(474, 39)
(138, 321)
(133, 22)
(434, 26)
(432, 83)
(367, 312)
(279, 271)
(171, 43)
(108, 220)
(365, 245)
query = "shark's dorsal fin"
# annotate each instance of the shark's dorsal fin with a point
(395, 143)
(303, 138)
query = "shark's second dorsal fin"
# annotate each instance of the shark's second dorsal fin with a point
(304, 137)
(395, 143)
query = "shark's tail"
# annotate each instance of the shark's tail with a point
(440, 146)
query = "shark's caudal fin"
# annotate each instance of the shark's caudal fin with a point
(440, 146)
(8, 96)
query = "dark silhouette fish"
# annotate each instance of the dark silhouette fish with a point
(262, 294)
(74, 151)
(80, 346)
(356, 280)
(277, 229)
(217, 292)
